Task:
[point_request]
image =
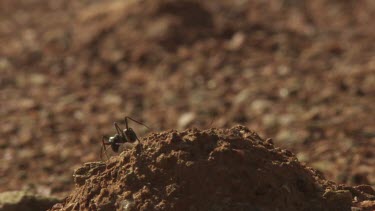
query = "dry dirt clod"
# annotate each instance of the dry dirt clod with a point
(215, 169)
(86, 171)
(339, 196)
(23, 200)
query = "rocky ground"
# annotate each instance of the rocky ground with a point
(301, 72)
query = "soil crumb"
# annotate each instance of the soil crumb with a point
(213, 169)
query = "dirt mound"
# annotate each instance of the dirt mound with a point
(215, 169)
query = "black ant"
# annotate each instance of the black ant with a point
(122, 136)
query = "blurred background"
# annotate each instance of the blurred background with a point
(299, 72)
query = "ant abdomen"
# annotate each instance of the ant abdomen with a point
(130, 135)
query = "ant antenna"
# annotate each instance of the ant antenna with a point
(126, 122)
(103, 148)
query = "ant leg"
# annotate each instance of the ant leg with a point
(126, 122)
(105, 152)
(139, 141)
(119, 131)
(103, 147)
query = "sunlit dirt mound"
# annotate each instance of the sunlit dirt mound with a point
(215, 169)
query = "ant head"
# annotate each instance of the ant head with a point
(127, 130)
(114, 139)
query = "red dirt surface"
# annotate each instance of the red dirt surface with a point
(213, 169)
(301, 72)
